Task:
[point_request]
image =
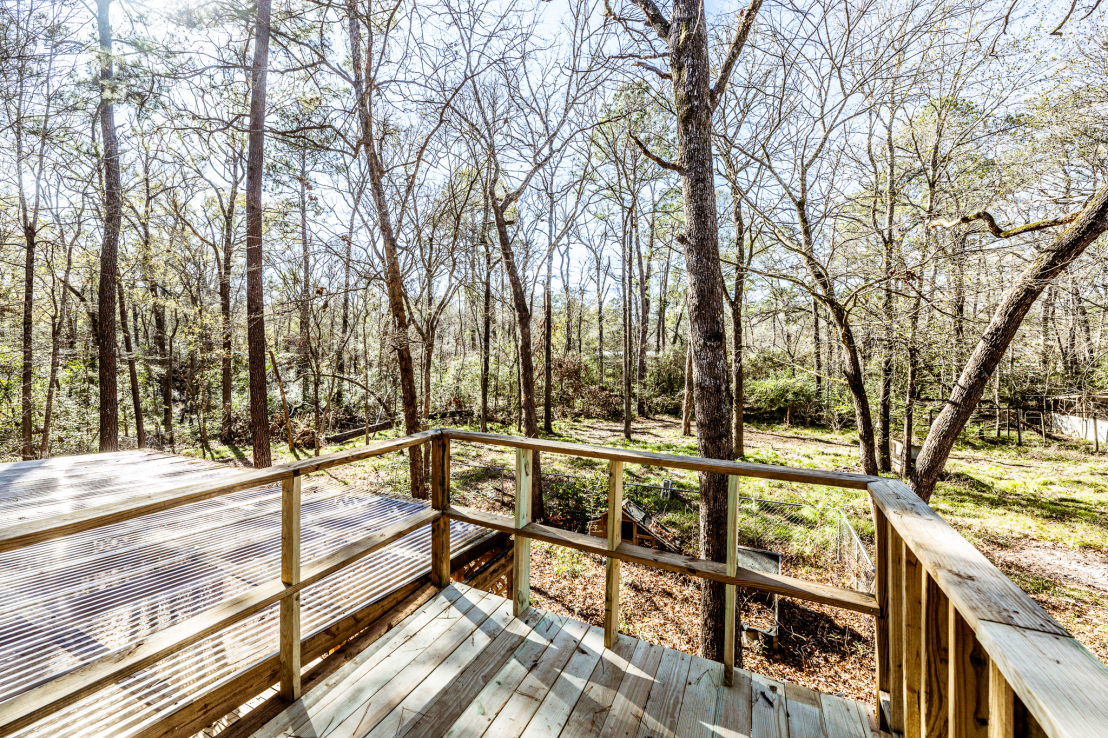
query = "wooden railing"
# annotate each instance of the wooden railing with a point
(961, 650)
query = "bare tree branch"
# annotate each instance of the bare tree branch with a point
(997, 231)
(655, 18)
(663, 163)
(737, 44)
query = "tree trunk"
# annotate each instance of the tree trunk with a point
(690, 70)
(393, 278)
(687, 403)
(109, 248)
(548, 323)
(644, 310)
(27, 419)
(526, 364)
(136, 393)
(816, 349)
(305, 284)
(255, 298)
(55, 350)
(1010, 312)
(226, 358)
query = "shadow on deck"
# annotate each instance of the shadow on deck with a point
(461, 665)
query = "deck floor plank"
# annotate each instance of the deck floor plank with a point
(698, 707)
(663, 705)
(563, 695)
(475, 719)
(630, 700)
(462, 666)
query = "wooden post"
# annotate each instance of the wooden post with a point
(730, 614)
(896, 624)
(440, 500)
(521, 550)
(881, 584)
(290, 575)
(968, 681)
(1002, 704)
(1019, 426)
(611, 566)
(913, 643)
(934, 703)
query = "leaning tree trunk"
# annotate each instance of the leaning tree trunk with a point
(393, 278)
(109, 249)
(526, 363)
(255, 300)
(1013, 308)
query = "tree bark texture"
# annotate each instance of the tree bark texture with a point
(109, 247)
(1010, 312)
(255, 300)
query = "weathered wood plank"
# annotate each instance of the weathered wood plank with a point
(968, 683)
(698, 706)
(591, 709)
(290, 576)
(1061, 684)
(805, 712)
(568, 687)
(841, 718)
(487, 704)
(847, 599)
(611, 565)
(934, 702)
(1002, 702)
(663, 705)
(521, 550)
(440, 500)
(881, 589)
(525, 699)
(912, 594)
(977, 589)
(768, 718)
(627, 707)
(35, 704)
(673, 461)
(730, 591)
(456, 696)
(374, 696)
(894, 552)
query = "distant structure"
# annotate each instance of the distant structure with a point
(639, 529)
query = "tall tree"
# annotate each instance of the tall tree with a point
(685, 35)
(109, 248)
(255, 297)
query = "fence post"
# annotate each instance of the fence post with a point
(612, 565)
(521, 551)
(730, 613)
(440, 500)
(290, 575)
(896, 623)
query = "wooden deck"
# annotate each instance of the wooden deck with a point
(461, 665)
(71, 601)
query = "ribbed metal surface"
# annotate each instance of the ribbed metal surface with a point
(67, 602)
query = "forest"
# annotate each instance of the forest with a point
(267, 225)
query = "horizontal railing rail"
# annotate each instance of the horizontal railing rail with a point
(960, 649)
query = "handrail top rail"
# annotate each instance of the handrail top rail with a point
(776, 472)
(1060, 682)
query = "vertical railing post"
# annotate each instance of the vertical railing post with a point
(440, 500)
(934, 701)
(968, 686)
(1002, 703)
(881, 585)
(896, 624)
(521, 551)
(611, 565)
(730, 602)
(913, 642)
(290, 575)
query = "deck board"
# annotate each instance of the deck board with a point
(72, 600)
(463, 667)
